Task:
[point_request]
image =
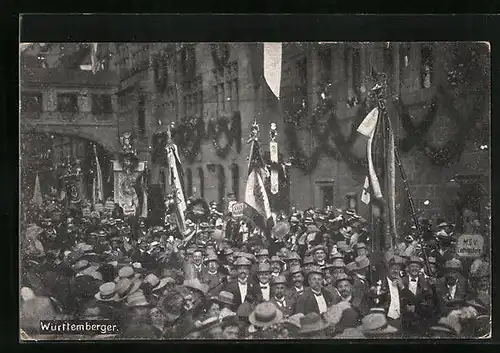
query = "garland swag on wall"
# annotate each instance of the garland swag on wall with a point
(231, 128)
(188, 136)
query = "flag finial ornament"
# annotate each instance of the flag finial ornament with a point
(254, 132)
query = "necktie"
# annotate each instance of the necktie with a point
(264, 287)
(318, 294)
(413, 279)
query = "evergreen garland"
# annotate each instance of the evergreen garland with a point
(188, 136)
(231, 128)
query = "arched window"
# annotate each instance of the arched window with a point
(235, 174)
(189, 176)
(202, 182)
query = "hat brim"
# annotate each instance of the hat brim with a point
(386, 330)
(256, 323)
(320, 326)
(141, 303)
(163, 282)
(201, 290)
(442, 329)
(112, 299)
(135, 288)
(219, 301)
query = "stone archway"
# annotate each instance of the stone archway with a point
(43, 154)
(103, 135)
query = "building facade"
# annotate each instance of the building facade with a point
(215, 92)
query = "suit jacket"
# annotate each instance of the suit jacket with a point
(423, 301)
(360, 286)
(258, 296)
(307, 302)
(288, 309)
(215, 282)
(385, 297)
(234, 288)
(462, 293)
(292, 292)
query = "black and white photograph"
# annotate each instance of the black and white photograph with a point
(254, 190)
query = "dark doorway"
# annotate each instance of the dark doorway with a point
(327, 196)
(222, 185)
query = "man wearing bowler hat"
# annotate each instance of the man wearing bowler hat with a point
(453, 288)
(242, 289)
(279, 297)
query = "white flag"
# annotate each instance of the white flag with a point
(272, 66)
(256, 198)
(365, 194)
(98, 188)
(367, 128)
(175, 170)
(37, 193)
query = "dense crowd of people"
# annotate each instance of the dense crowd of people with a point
(314, 276)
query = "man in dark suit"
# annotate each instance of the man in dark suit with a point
(351, 317)
(419, 308)
(315, 298)
(199, 269)
(390, 293)
(213, 277)
(280, 297)
(262, 287)
(453, 288)
(297, 287)
(242, 290)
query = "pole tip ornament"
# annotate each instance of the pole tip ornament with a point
(254, 132)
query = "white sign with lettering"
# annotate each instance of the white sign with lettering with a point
(470, 245)
(237, 209)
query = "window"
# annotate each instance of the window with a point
(31, 102)
(101, 104)
(426, 65)
(162, 180)
(202, 182)
(189, 176)
(326, 192)
(67, 102)
(300, 86)
(405, 55)
(170, 102)
(226, 89)
(387, 57)
(356, 69)
(222, 184)
(192, 99)
(235, 171)
(141, 116)
(188, 61)
(325, 64)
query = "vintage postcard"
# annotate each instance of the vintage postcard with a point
(233, 191)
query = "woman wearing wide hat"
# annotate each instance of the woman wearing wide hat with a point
(221, 305)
